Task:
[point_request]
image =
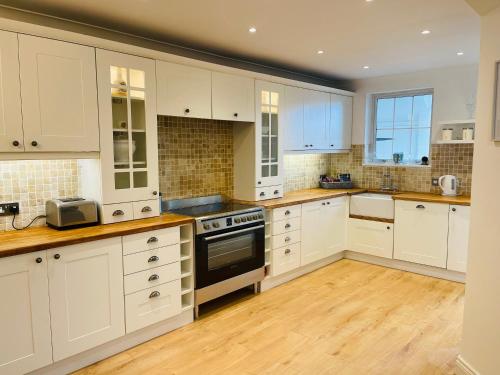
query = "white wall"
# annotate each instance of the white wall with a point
(481, 338)
(454, 87)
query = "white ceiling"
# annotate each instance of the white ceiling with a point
(384, 34)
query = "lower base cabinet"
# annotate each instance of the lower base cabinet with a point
(25, 338)
(371, 237)
(285, 259)
(458, 238)
(86, 296)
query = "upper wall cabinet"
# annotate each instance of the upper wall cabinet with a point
(294, 118)
(183, 90)
(232, 97)
(59, 95)
(340, 122)
(11, 122)
(316, 113)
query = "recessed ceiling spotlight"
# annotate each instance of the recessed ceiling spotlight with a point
(320, 52)
(252, 29)
(425, 32)
(369, 1)
(460, 53)
(366, 67)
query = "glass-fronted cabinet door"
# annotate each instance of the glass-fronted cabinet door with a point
(127, 113)
(269, 153)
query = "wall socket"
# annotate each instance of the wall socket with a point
(435, 181)
(9, 209)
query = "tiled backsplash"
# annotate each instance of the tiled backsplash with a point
(33, 182)
(445, 159)
(196, 157)
(303, 171)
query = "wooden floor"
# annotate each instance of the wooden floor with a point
(347, 318)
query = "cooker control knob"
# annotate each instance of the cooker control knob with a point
(206, 226)
(261, 216)
(216, 225)
(255, 217)
(243, 219)
(249, 218)
(237, 220)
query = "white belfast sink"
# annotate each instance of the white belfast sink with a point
(372, 205)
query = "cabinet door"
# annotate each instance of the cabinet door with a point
(86, 296)
(312, 238)
(269, 149)
(458, 238)
(371, 237)
(340, 127)
(421, 232)
(25, 342)
(293, 123)
(334, 225)
(129, 135)
(11, 122)
(316, 113)
(233, 97)
(184, 90)
(59, 95)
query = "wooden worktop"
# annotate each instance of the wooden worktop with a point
(42, 238)
(432, 198)
(304, 196)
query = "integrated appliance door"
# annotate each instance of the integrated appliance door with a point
(231, 252)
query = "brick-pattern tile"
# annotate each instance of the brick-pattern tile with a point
(31, 183)
(195, 157)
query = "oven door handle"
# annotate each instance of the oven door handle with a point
(234, 232)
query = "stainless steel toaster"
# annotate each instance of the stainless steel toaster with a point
(71, 212)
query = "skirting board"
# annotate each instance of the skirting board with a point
(407, 266)
(111, 348)
(463, 368)
(272, 282)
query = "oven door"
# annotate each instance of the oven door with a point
(232, 252)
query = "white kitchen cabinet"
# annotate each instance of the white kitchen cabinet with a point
(86, 296)
(340, 124)
(371, 237)
(59, 95)
(183, 90)
(11, 121)
(233, 97)
(285, 259)
(458, 238)
(421, 232)
(334, 225)
(25, 339)
(316, 115)
(293, 119)
(312, 245)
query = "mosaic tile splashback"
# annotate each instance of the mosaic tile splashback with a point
(303, 171)
(31, 183)
(195, 157)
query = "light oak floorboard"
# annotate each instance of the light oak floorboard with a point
(346, 318)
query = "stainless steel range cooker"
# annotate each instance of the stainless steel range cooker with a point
(229, 245)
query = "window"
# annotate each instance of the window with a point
(402, 125)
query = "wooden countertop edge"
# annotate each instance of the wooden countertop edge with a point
(32, 242)
(463, 201)
(299, 200)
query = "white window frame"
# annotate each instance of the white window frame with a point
(370, 147)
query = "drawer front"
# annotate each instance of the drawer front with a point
(285, 259)
(135, 243)
(285, 226)
(146, 260)
(153, 277)
(152, 305)
(268, 192)
(283, 213)
(115, 213)
(286, 239)
(145, 209)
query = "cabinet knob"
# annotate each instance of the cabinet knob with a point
(288, 251)
(57, 256)
(155, 192)
(154, 258)
(454, 209)
(420, 206)
(154, 294)
(118, 213)
(153, 277)
(38, 260)
(324, 204)
(276, 192)
(287, 212)
(287, 225)
(34, 143)
(258, 182)
(186, 111)
(388, 228)
(15, 143)
(146, 209)
(235, 114)
(327, 202)
(152, 239)
(287, 239)
(262, 194)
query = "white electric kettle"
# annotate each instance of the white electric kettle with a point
(448, 184)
